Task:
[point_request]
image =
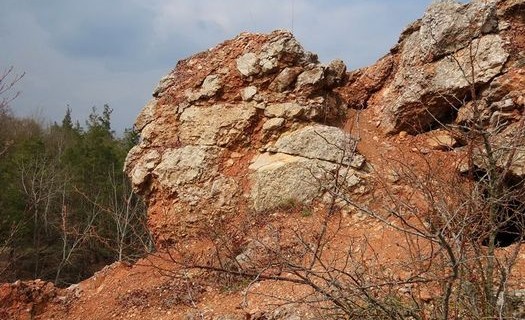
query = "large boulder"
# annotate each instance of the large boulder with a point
(247, 124)
(304, 164)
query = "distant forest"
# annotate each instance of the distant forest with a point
(66, 207)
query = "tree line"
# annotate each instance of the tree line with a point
(66, 207)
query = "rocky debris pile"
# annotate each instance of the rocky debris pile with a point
(248, 124)
(28, 299)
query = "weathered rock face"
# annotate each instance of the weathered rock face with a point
(303, 163)
(248, 124)
(256, 121)
(454, 50)
(454, 47)
(458, 65)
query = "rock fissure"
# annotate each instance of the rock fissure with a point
(340, 162)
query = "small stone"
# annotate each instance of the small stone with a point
(248, 93)
(275, 110)
(403, 134)
(248, 64)
(210, 85)
(268, 64)
(442, 141)
(293, 111)
(272, 124)
(463, 166)
(357, 161)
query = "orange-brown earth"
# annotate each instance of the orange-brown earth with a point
(233, 136)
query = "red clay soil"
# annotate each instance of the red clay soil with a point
(153, 288)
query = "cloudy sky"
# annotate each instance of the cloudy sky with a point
(88, 53)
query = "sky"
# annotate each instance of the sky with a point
(84, 54)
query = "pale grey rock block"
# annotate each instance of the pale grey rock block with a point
(321, 142)
(143, 165)
(215, 125)
(209, 88)
(248, 93)
(248, 64)
(312, 77)
(273, 124)
(280, 178)
(186, 165)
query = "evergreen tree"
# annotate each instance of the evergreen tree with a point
(63, 186)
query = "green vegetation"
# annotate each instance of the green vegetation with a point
(66, 208)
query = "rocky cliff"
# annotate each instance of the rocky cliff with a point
(257, 125)
(247, 125)
(258, 121)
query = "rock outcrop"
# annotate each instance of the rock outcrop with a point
(257, 120)
(257, 124)
(458, 65)
(251, 123)
(438, 62)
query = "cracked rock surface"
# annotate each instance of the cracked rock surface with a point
(250, 123)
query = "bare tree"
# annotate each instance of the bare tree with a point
(41, 184)
(8, 80)
(72, 235)
(128, 214)
(7, 254)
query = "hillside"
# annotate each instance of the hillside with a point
(279, 187)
